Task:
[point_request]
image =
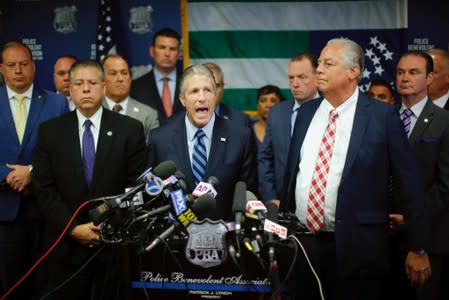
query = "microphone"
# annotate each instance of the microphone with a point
(200, 207)
(273, 216)
(238, 205)
(164, 169)
(256, 207)
(208, 187)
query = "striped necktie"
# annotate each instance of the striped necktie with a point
(407, 120)
(199, 157)
(20, 117)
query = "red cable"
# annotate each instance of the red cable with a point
(48, 251)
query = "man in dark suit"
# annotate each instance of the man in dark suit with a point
(343, 151)
(428, 134)
(439, 87)
(222, 109)
(229, 150)
(272, 156)
(162, 83)
(19, 215)
(88, 153)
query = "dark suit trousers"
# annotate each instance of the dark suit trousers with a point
(19, 249)
(321, 251)
(98, 280)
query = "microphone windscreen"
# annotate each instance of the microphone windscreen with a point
(213, 181)
(250, 196)
(164, 169)
(273, 212)
(203, 205)
(239, 201)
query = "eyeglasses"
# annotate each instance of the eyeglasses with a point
(80, 84)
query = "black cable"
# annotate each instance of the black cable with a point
(74, 274)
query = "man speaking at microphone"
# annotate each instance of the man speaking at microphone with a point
(203, 144)
(88, 153)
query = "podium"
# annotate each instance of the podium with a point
(166, 273)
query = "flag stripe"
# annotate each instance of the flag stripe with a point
(247, 44)
(254, 73)
(324, 15)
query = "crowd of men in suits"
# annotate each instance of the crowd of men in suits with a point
(373, 187)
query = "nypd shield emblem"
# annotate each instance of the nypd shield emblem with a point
(65, 21)
(140, 19)
(206, 246)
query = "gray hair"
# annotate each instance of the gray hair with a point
(352, 54)
(196, 70)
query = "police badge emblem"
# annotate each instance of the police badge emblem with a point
(140, 19)
(65, 21)
(206, 246)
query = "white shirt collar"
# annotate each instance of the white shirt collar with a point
(123, 103)
(208, 128)
(95, 118)
(28, 93)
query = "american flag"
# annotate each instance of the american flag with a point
(105, 39)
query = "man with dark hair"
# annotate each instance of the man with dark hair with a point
(23, 107)
(88, 153)
(160, 87)
(61, 77)
(427, 128)
(381, 90)
(272, 156)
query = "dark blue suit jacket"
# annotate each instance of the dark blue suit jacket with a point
(377, 149)
(231, 158)
(272, 156)
(45, 105)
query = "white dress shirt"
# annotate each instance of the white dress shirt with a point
(94, 128)
(309, 156)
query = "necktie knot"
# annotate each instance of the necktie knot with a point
(87, 124)
(333, 115)
(407, 112)
(20, 98)
(200, 134)
(117, 108)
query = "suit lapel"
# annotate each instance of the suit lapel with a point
(220, 138)
(6, 114)
(361, 118)
(179, 147)
(104, 144)
(446, 106)
(71, 140)
(424, 119)
(36, 106)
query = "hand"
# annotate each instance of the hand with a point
(19, 177)
(277, 202)
(417, 268)
(87, 234)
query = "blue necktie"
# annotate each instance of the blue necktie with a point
(199, 157)
(407, 119)
(88, 152)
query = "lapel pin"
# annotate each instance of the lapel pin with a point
(426, 120)
(109, 133)
(222, 139)
(39, 97)
(136, 109)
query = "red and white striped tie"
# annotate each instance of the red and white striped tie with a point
(315, 205)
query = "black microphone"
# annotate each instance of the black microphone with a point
(273, 215)
(100, 213)
(200, 207)
(239, 205)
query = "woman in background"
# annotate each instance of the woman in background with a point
(267, 97)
